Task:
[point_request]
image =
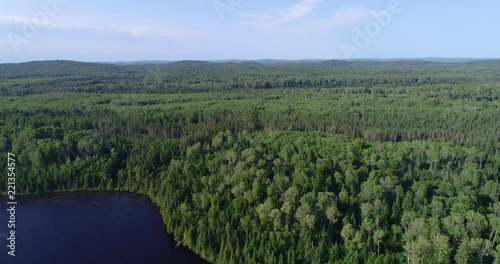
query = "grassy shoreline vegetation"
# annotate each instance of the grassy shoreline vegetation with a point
(328, 162)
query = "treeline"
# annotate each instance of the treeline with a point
(372, 114)
(186, 77)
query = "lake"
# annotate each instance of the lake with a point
(89, 228)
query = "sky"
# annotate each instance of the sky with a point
(111, 30)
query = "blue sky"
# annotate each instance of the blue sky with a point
(112, 30)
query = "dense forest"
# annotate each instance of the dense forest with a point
(325, 162)
(192, 76)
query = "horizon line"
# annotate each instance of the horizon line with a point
(166, 61)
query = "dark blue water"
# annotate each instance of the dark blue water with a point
(89, 228)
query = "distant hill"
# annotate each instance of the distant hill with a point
(203, 76)
(284, 61)
(144, 62)
(430, 59)
(59, 68)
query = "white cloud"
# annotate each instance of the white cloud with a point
(14, 20)
(272, 20)
(299, 10)
(343, 17)
(133, 28)
(293, 19)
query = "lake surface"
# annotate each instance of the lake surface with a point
(89, 228)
